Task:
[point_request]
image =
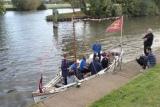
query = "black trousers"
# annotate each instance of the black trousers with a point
(145, 50)
(65, 80)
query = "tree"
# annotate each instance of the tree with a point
(100, 8)
(157, 3)
(141, 7)
(83, 6)
(2, 9)
(27, 4)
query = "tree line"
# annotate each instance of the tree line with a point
(106, 8)
(99, 8)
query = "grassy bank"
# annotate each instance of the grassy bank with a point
(66, 16)
(141, 92)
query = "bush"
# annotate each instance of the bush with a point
(42, 7)
(2, 9)
(141, 7)
(100, 8)
(117, 10)
(27, 4)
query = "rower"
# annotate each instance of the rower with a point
(105, 60)
(95, 66)
(83, 65)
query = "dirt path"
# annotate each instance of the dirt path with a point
(94, 89)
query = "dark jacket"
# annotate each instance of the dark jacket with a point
(105, 62)
(64, 67)
(149, 41)
(95, 67)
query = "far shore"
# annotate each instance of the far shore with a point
(10, 7)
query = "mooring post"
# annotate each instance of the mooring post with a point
(55, 18)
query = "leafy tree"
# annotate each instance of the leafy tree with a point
(100, 8)
(83, 6)
(27, 4)
(141, 7)
(2, 9)
(157, 3)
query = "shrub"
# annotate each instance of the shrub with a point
(2, 9)
(117, 10)
(141, 7)
(100, 8)
(27, 4)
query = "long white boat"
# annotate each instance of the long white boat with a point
(51, 88)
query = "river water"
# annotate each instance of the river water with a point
(30, 46)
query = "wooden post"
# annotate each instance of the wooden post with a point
(55, 18)
(74, 39)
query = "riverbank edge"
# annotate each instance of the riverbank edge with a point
(129, 77)
(77, 16)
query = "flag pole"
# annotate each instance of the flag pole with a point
(121, 31)
(121, 43)
(74, 39)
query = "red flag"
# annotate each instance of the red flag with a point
(40, 84)
(115, 26)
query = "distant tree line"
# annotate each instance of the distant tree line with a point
(99, 8)
(106, 8)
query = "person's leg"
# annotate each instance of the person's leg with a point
(94, 56)
(99, 55)
(65, 80)
(145, 50)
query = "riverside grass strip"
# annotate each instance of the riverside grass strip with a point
(143, 91)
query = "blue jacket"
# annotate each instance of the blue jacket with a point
(96, 48)
(82, 64)
(151, 60)
(74, 67)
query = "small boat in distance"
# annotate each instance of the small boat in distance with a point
(56, 85)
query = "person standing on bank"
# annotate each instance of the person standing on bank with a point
(64, 68)
(148, 40)
(96, 47)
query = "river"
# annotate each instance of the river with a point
(30, 46)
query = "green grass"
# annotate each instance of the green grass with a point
(144, 91)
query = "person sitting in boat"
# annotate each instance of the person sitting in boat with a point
(96, 47)
(95, 66)
(73, 68)
(64, 68)
(72, 75)
(83, 67)
(105, 60)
